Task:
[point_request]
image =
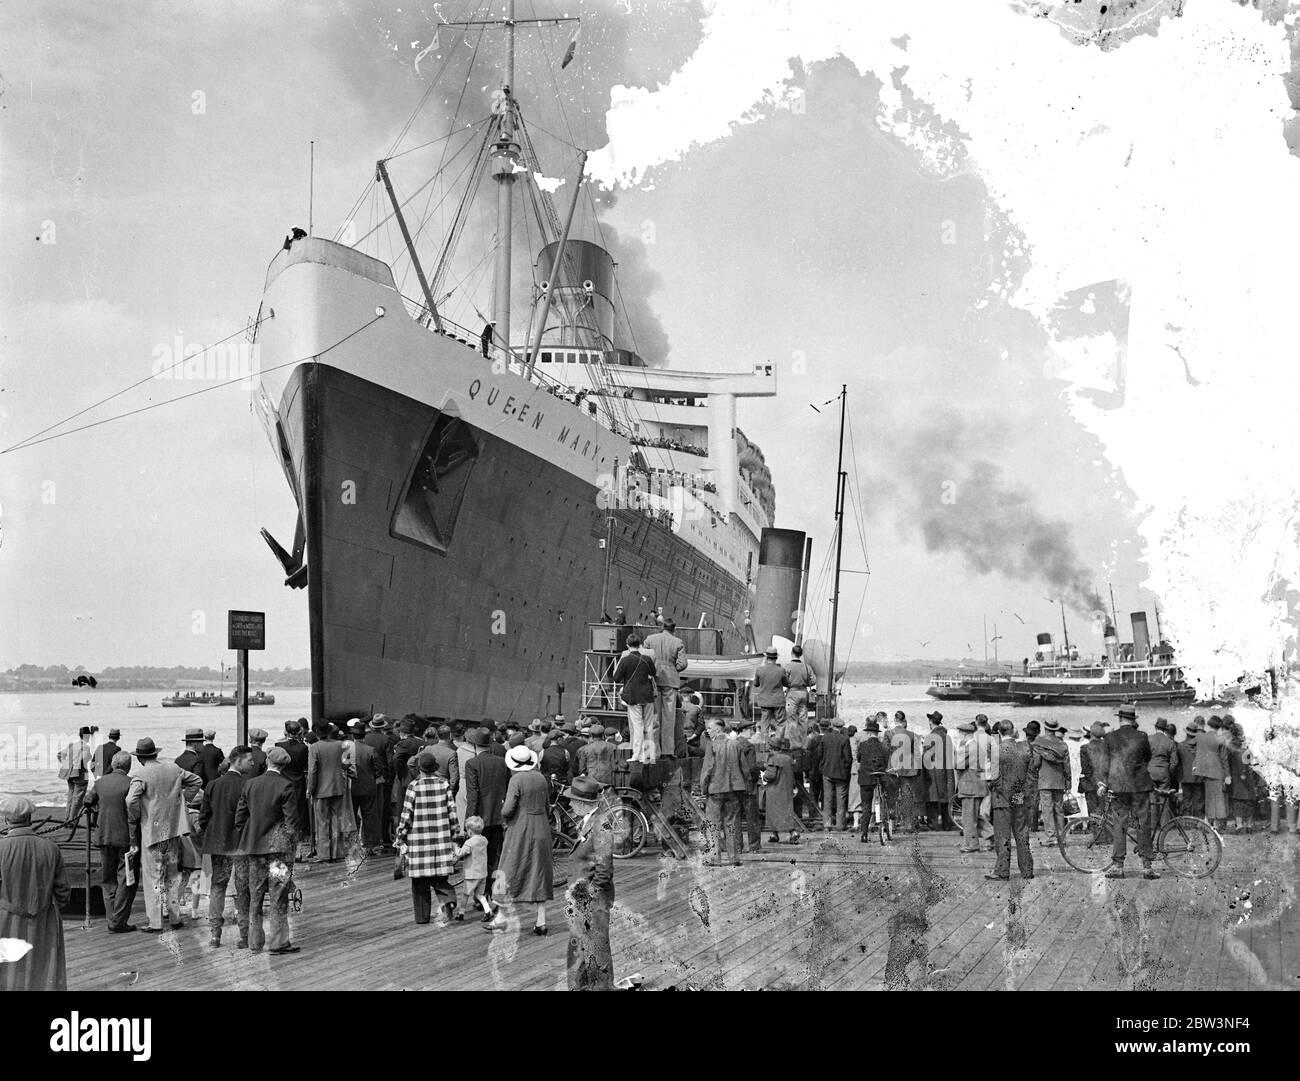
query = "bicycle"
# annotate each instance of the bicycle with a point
(1189, 846)
(627, 820)
(878, 816)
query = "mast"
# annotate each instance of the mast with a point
(381, 172)
(986, 643)
(505, 160)
(839, 544)
(1160, 637)
(531, 357)
(1065, 631)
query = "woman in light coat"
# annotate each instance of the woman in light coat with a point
(525, 872)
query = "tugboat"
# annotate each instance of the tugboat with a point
(176, 701)
(949, 689)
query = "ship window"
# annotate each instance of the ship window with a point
(427, 512)
(546, 358)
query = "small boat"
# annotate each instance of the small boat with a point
(76, 703)
(133, 704)
(948, 689)
(261, 698)
(176, 700)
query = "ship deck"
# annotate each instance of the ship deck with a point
(829, 914)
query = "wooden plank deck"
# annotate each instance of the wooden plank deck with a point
(828, 914)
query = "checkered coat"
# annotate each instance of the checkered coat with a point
(427, 826)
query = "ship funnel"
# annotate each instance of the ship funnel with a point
(583, 295)
(1046, 652)
(1110, 639)
(777, 584)
(1141, 639)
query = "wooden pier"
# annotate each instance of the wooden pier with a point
(828, 914)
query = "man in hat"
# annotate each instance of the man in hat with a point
(1049, 770)
(571, 743)
(836, 768)
(723, 783)
(635, 671)
(119, 873)
(33, 888)
(801, 683)
(101, 762)
(873, 762)
(1164, 764)
(535, 738)
(939, 761)
(905, 757)
(365, 768)
(554, 762)
(972, 788)
(596, 759)
(189, 759)
(486, 779)
(327, 784)
(210, 755)
(267, 818)
(256, 740)
(812, 764)
(155, 805)
(444, 751)
(1211, 768)
(749, 812)
(377, 739)
(1089, 777)
(74, 767)
(669, 653)
(1125, 754)
(221, 844)
(1193, 802)
(620, 616)
(770, 685)
(1009, 796)
(296, 772)
(590, 895)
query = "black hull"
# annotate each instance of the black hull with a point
(488, 626)
(1103, 697)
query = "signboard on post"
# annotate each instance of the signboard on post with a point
(244, 631)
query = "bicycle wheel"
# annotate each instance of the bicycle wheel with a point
(630, 830)
(1086, 844)
(1190, 847)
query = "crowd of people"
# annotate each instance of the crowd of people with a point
(667, 444)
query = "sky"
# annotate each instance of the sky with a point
(1052, 270)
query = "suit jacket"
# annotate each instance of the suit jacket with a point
(1187, 761)
(1014, 785)
(1164, 763)
(380, 743)
(74, 760)
(259, 760)
(555, 761)
(1050, 762)
(636, 671)
(723, 772)
(109, 795)
(193, 762)
(812, 755)
(101, 763)
(1089, 773)
(365, 763)
(748, 764)
(296, 770)
(211, 756)
(873, 757)
(836, 757)
(486, 779)
(156, 800)
(325, 774)
(670, 658)
(969, 765)
(596, 760)
(267, 815)
(770, 685)
(1211, 755)
(448, 764)
(1124, 755)
(217, 818)
(905, 752)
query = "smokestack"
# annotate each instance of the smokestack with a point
(1110, 639)
(777, 586)
(1141, 640)
(1046, 652)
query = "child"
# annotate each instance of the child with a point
(474, 853)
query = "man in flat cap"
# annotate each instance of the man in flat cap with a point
(221, 846)
(1193, 802)
(211, 756)
(836, 769)
(1089, 777)
(770, 685)
(723, 783)
(267, 818)
(596, 757)
(1125, 754)
(33, 887)
(1010, 795)
(327, 785)
(113, 835)
(256, 742)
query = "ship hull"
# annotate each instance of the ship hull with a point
(488, 625)
(1098, 694)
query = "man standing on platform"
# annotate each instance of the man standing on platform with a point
(113, 835)
(836, 768)
(267, 818)
(101, 763)
(1193, 788)
(723, 783)
(221, 844)
(636, 672)
(770, 683)
(905, 757)
(1010, 795)
(74, 767)
(155, 804)
(296, 774)
(971, 785)
(1123, 767)
(669, 654)
(486, 779)
(327, 784)
(800, 680)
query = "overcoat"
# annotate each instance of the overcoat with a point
(939, 758)
(527, 865)
(428, 827)
(33, 887)
(779, 803)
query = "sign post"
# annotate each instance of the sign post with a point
(244, 631)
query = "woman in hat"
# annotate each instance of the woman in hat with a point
(590, 960)
(778, 806)
(33, 888)
(524, 875)
(426, 836)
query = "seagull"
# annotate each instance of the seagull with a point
(923, 644)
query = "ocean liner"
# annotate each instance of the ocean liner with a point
(468, 498)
